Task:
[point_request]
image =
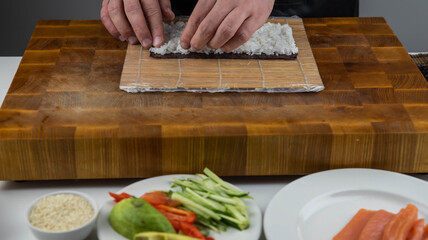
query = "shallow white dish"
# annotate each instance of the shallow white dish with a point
(106, 232)
(318, 206)
(74, 234)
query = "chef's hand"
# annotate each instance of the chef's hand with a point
(137, 20)
(225, 24)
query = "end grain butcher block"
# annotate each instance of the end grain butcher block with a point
(65, 117)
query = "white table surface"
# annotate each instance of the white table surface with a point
(15, 197)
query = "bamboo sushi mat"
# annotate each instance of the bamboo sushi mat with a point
(142, 73)
(421, 60)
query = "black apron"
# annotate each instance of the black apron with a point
(288, 8)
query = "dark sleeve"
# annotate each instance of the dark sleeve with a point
(183, 7)
(288, 8)
(316, 8)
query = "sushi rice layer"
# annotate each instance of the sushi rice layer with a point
(270, 39)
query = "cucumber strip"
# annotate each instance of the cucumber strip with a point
(207, 182)
(225, 187)
(202, 186)
(203, 194)
(206, 202)
(187, 202)
(206, 221)
(242, 207)
(235, 213)
(216, 203)
(202, 176)
(184, 183)
(233, 193)
(236, 223)
(209, 225)
(202, 229)
(199, 214)
(222, 199)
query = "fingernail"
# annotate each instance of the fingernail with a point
(196, 48)
(132, 40)
(185, 45)
(122, 38)
(147, 43)
(158, 41)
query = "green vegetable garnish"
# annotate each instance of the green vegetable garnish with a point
(215, 202)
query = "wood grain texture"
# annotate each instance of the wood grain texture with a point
(143, 73)
(64, 116)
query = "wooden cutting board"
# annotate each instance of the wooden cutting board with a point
(64, 116)
(142, 73)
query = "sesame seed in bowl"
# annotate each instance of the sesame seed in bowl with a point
(62, 215)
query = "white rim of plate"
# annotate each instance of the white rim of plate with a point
(363, 183)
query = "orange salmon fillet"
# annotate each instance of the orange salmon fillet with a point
(417, 231)
(374, 228)
(426, 232)
(400, 225)
(353, 229)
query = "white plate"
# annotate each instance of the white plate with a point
(318, 206)
(106, 232)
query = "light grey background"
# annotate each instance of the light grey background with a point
(19, 17)
(408, 19)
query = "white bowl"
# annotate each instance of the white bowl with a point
(75, 234)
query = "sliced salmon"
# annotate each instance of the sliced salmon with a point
(417, 231)
(373, 230)
(400, 225)
(353, 229)
(426, 232)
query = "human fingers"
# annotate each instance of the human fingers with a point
(135, 16)
(167, 12)
(210, 24)
(228, 28)
(153, 15)
(117, 15)
(201, 10)
(106, 20)
(243, 34)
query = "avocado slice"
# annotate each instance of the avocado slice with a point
(134, 215)
(161, 236)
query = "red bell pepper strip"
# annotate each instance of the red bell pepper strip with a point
(191, 231)
(180, 214)
(176, 216)
(172, 216)
(173, 219)
(119, 197)
(159, 198)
